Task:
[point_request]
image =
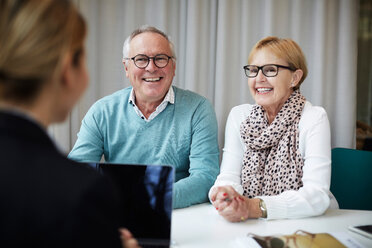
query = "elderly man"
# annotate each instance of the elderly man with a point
(153, 122)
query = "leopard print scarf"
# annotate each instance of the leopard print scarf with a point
(272, 162)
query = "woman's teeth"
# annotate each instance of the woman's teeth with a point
(264, 90)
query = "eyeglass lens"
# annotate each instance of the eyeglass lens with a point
(267, 70)
(160, 60)
(272, 242)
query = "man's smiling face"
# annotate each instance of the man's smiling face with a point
(150, 84)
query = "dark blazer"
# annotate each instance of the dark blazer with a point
(47, 200)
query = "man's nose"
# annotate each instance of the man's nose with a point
(151, 67)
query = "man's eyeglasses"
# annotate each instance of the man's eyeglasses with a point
(142, 60)
(270, 70)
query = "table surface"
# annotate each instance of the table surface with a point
(201, 226)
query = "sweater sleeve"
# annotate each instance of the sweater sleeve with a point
(204, 159)
(89, 145)
(314, 197)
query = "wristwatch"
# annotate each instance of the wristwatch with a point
(263, 209)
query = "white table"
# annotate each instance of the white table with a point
(201, 226)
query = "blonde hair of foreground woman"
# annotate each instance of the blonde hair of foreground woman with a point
(36, 37)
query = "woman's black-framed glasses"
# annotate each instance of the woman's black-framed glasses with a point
(142, 60)
(270, 70)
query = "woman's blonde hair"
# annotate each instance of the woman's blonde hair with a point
(35, 37)
(285, 49)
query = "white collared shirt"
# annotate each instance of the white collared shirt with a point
(169, 98)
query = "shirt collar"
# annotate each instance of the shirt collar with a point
(169, 97)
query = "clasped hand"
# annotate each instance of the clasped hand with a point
(230, 204)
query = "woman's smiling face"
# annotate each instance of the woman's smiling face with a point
(270, 92)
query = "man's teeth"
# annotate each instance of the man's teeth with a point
(152, 79)
(263, 89)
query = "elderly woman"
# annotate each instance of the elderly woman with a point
(277, 156)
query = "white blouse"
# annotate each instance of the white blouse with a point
(315, 146)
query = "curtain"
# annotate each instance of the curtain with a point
(212, 41)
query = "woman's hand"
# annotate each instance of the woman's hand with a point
(127, 239)
(221, 197)
(230, 204)
(233, 206)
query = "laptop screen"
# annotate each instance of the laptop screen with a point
(145, 192)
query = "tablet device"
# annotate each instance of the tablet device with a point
(365, 230)
(145, 192)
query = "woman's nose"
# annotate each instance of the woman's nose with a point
(260, 76)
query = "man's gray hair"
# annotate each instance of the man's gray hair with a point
(144, 29)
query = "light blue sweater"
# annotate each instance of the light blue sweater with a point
(183, 135)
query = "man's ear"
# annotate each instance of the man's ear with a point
(296, 77)
(174, 67)
(125, 63)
